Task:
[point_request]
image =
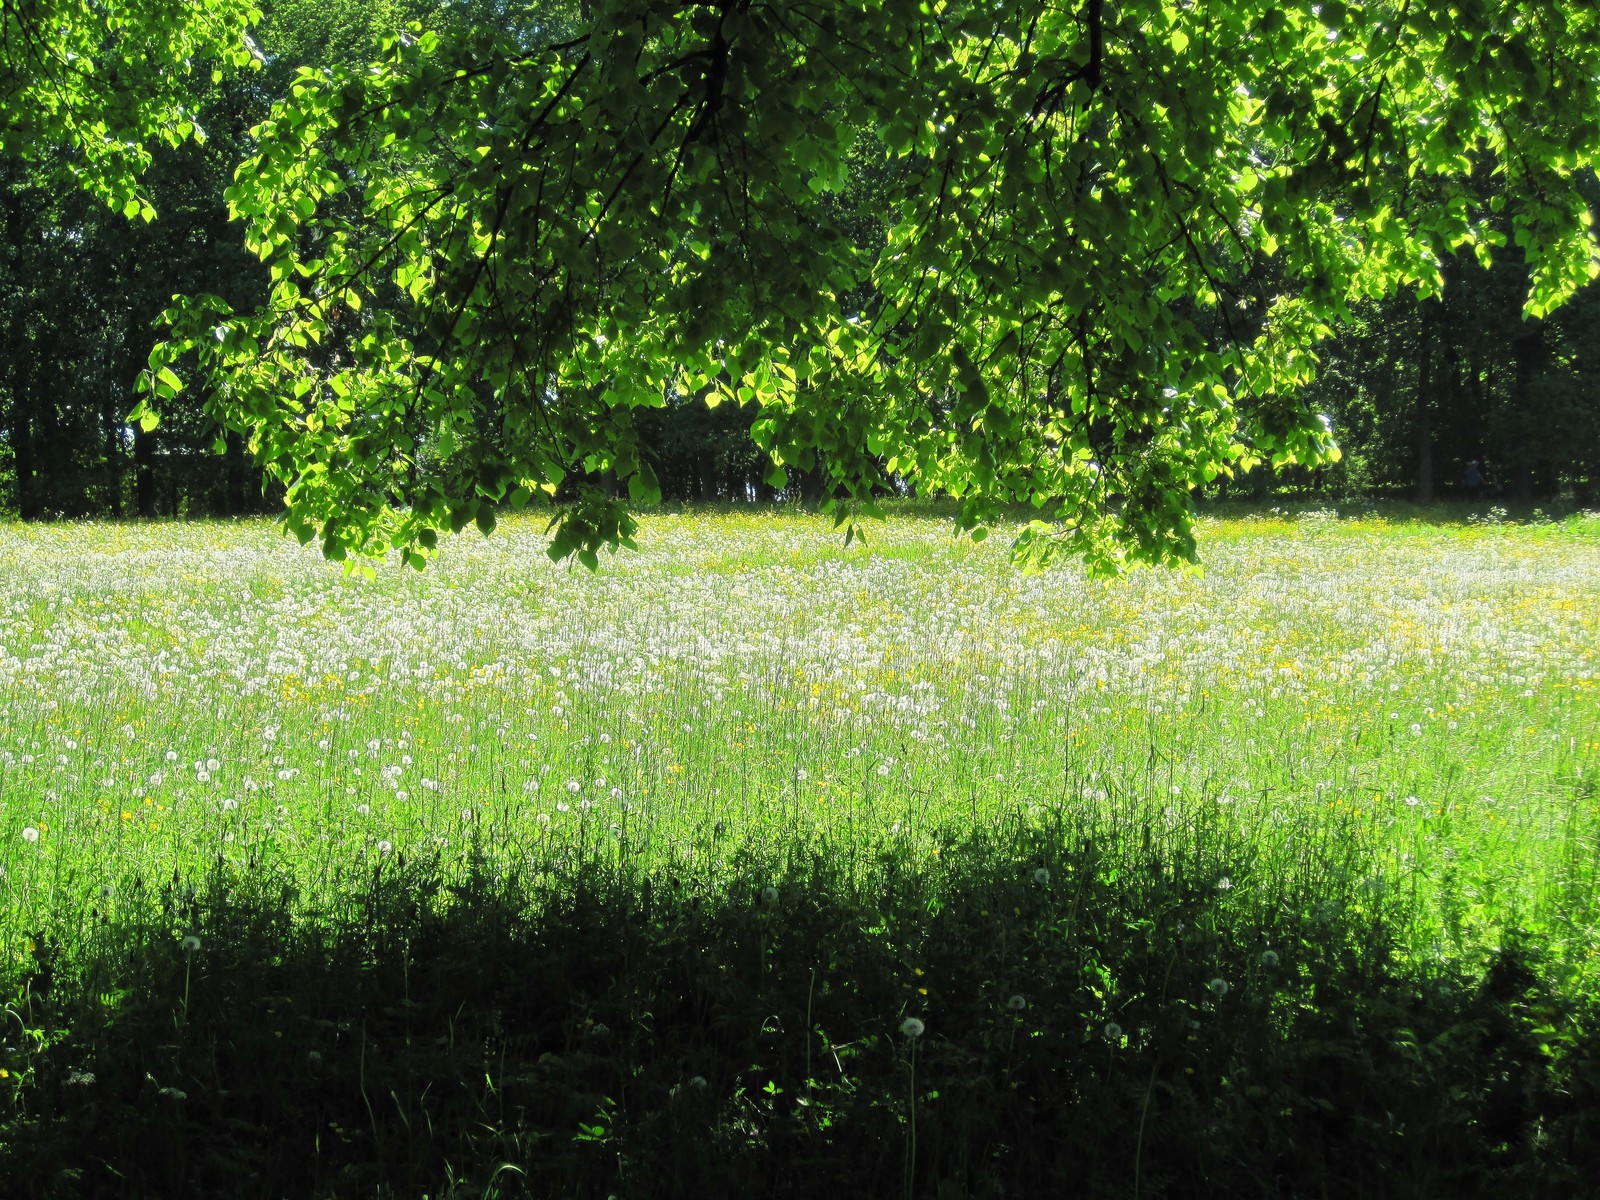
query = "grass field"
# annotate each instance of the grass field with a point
(1215, 884)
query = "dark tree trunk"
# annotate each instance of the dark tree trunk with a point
(19, 420)
(236, 470)
(144, 480)
(111, 415)
(1425, 389)
(1529, 352)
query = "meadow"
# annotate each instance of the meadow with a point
(754, 863)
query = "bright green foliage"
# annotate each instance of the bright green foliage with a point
(105, 81)
(1112, 237)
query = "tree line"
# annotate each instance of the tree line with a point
(1464, 389)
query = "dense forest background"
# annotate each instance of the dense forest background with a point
(1417, 389)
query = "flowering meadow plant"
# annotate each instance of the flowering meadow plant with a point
(694, 858)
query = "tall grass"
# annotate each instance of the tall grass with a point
(508, 878)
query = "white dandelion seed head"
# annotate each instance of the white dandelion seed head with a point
(172, 756)
(912, 1027)
(574, 787)
(1042, 876)
(1224, 884)
(1269, 958)
(769, 894)
(30, 834)
(1218, 987)
(698, 1083)
(1113, 1032)
(191, 944)
(1017, 1003)
(385, 846)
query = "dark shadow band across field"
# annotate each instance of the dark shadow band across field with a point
(1027, 1012)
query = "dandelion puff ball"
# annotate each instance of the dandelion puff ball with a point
(1017, 1003)
(1269, 958)
(191, 944)
(1218, 987)
(1113, 1031)
(1042, 875)
(912, 1027)
(30, 835)
(769, 894)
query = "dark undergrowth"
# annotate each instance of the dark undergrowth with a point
(1095, 1023)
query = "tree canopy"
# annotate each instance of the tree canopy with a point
(91, 87)
(1075, 257)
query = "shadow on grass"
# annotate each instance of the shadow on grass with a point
(1094, 1024)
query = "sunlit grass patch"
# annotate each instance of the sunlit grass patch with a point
(1376, 726)
(177, 693)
